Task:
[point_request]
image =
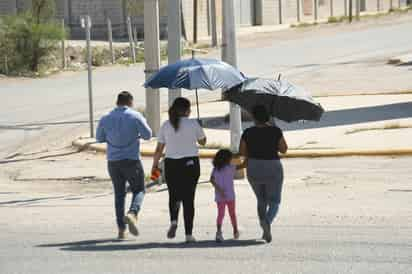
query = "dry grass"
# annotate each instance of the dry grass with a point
(387, 126)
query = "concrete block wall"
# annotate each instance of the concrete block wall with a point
(270, 12)
(339, 7)
(386, 4)
(23, 5)
(266, 12)
(8, 7)
(290, 8)
(323, 9)
(203, 17)
(98, 11)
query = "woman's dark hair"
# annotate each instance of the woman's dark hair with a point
(178, 110)
(222, 158)
(124, 98)
(260, 114)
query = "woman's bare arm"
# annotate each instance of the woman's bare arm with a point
(243, 149)
(157, 155)
(202, 142)
(283, 146)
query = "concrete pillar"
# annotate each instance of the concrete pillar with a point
(152, 61)
(259, 12)
(174, 40)
(280, 12)
(229, 55)
(298, 10)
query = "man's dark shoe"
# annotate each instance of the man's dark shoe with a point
(171, 233)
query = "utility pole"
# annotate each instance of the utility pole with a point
(131, 42)
(229, 55)
(152, 61)
(280, 12)
(174, 34)
(331, 8)
(345, 3)
(63, 42)
(195, 5)
(214, 23)
(87, 24)
(110, 36)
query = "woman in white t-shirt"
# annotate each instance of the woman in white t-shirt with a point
(180, 137)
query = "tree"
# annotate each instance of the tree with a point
(29, 37)
(43, 10)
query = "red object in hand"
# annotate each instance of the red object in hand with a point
(155, 175)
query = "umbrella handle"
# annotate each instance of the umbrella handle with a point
(197, 105)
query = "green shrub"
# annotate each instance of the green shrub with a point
(28, 39)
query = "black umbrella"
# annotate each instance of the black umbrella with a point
(283, 100)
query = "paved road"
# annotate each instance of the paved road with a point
(29, 106)
(343, 215)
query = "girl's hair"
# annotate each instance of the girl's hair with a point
(260, 114)
(178, 110)
(222, 158)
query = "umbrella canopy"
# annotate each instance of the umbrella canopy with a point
(284, 100)
(196, 73)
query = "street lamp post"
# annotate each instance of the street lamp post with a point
(86, 23)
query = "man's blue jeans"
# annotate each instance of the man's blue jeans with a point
(127, 171)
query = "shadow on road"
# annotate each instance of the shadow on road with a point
(116, 245)
(30, 201)
(335, 118)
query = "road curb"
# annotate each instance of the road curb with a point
(87, 144)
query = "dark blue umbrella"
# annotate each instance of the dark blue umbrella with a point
(196, 73)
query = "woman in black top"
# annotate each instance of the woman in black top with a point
(260, 145)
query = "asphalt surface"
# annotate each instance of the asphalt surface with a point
(344, 215)
(38, 111)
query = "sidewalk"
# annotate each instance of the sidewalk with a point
(378, 125)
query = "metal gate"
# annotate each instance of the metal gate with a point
(244, 12)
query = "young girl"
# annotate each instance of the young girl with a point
(222, 179)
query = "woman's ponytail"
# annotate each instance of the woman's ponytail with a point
(179, 109)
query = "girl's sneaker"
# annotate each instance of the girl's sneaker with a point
(219, 237)
(236, 235)
(190, 239)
